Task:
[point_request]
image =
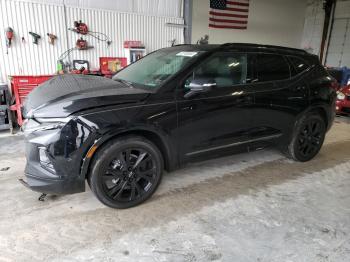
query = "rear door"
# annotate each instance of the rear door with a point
(280, 94)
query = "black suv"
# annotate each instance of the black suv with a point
(176, 105)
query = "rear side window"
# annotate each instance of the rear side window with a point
(271, 67)
(299, 64)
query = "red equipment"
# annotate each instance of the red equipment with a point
(80, 28)
(111, 65)
(132, 43)
(82, 44)
(81, 71)
(9, 37)
(81, 67)
(21, 86)
(343, 100)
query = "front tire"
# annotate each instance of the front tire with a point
(308, 138)
(126, 172)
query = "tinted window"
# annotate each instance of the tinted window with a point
(271, 67)
(224, 69)
(299, 64)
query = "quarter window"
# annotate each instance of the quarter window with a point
(271, 68)
(224, 69)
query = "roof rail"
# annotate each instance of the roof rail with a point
(263, 46)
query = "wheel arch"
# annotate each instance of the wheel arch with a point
(319, 109)
(159, 140)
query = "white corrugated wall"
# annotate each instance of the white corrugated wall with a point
(171, 8)
(25, 58)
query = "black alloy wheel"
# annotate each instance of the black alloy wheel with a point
(130, 175)
(308, 138)
(126, 172)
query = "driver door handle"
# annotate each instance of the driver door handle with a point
(188, 108)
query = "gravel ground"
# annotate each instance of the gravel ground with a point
(248, 207)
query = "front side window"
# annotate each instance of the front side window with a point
(222, 69)
(270, 67)
(153, 70)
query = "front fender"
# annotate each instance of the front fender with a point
(166, 147)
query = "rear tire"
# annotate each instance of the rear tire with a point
(126, 172)
(307, 139)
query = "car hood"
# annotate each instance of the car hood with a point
(66, 94)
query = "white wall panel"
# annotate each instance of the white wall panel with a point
(150, 7)
(24, 57)
(161, 7)
(277, 22)
(313, 26)
(342, 9)
(27, 58)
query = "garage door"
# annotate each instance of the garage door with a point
(339, 45)
(338, 53)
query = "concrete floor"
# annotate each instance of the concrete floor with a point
(249, 207)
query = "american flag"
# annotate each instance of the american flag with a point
(232, 14)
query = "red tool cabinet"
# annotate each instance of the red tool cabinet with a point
(21, 86)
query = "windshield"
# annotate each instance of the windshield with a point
(154, 69)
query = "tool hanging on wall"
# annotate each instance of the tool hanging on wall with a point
(82, 44)
(36, 37)
(82, 28)
(9, 38)
(52, 38)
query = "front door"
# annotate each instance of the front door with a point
(218, 119)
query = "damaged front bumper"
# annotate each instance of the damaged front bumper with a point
(53, 153)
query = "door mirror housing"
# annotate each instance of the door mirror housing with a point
(199, 85)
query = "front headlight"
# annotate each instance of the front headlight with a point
(41, 124)
(44, 159)
(340, 96)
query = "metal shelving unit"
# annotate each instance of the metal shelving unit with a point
(5, 107)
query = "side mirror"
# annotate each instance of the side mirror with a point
(197, 86)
